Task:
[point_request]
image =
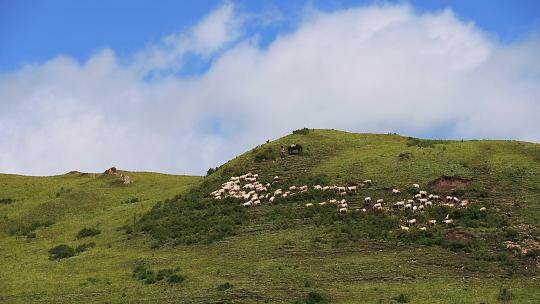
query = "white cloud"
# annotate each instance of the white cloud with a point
(369, 69)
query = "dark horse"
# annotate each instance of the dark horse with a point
(295, 149)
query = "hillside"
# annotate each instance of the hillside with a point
(287, 252)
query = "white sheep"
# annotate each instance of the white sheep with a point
(483, 209)
(352, 188)
(380, 201)
(367, 181)
(432, 222)
(342, 210)
(248, 204)
(416, 186)
(367, 199)
(411, 222)
(377, 206)
(396, 191)
(309, 205)
(404, 228)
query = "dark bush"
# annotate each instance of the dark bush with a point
(404, 156)
(211, 170)
(6, 201)
(26, 229)
(88, 232)
(31, 235)
(164, 274)
(504, 295)
(312, 298)
(224, 286)
(176, 278)
(84, 247)
(61, 252)
(265, 154)
(304, 131)
(402, 298)
(425, 143)
(131, 200)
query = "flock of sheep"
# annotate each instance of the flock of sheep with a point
(254, 193)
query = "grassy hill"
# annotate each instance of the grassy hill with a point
(285, 252)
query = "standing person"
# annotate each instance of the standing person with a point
(282, 152)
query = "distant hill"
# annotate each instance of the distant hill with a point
(165, 238)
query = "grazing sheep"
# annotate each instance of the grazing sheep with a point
(414, 208)
(408, 206)
(367, 181)
(411, 222)
(342, 194)
(404, 228)
(364, 210)
(257, 203)
(322, 204)
(436, 197)
(332, 201)
(317, 187)
(325, 188)
(483, 209)
(423, 200)
(447, 222)
(343, 205)
(423, 228)
(416, 186)
(456, 200)
(248, 204)
(276, 178)
(418, 196)
(449, 198)
(352, 188)
(421, 207)
(423, 193)
(271, 200)
(429, 203)
(303, 188)
(399, 204)
(343, 201)
(367, 200)
(291, 188)
(396, 191)
(432, 222)
(342, 210)
(377, 206)
(380, 201)
(309, 205)
(410, 201)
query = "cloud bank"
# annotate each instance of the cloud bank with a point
(366, 69)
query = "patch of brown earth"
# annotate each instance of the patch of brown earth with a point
(458, 236)
(449, 183)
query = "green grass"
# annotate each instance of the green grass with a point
(220, 252)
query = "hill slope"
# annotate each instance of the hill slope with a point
(286, 252)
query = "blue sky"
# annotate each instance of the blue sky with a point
(179, 87)
(35, 31)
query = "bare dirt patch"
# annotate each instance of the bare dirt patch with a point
(449, 183)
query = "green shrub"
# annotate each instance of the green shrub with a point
(26, 229)
(88, 232)
(211, 170)
(312, 298)
(504, 295)
(425, 143)
(176, 278)
(61, 252)
(402, 298)
(84, 247)
(224, 286)
(164, 274)
(31, 235)
(304, 131)
(6, 201)
(132, 200)
(265, 154)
